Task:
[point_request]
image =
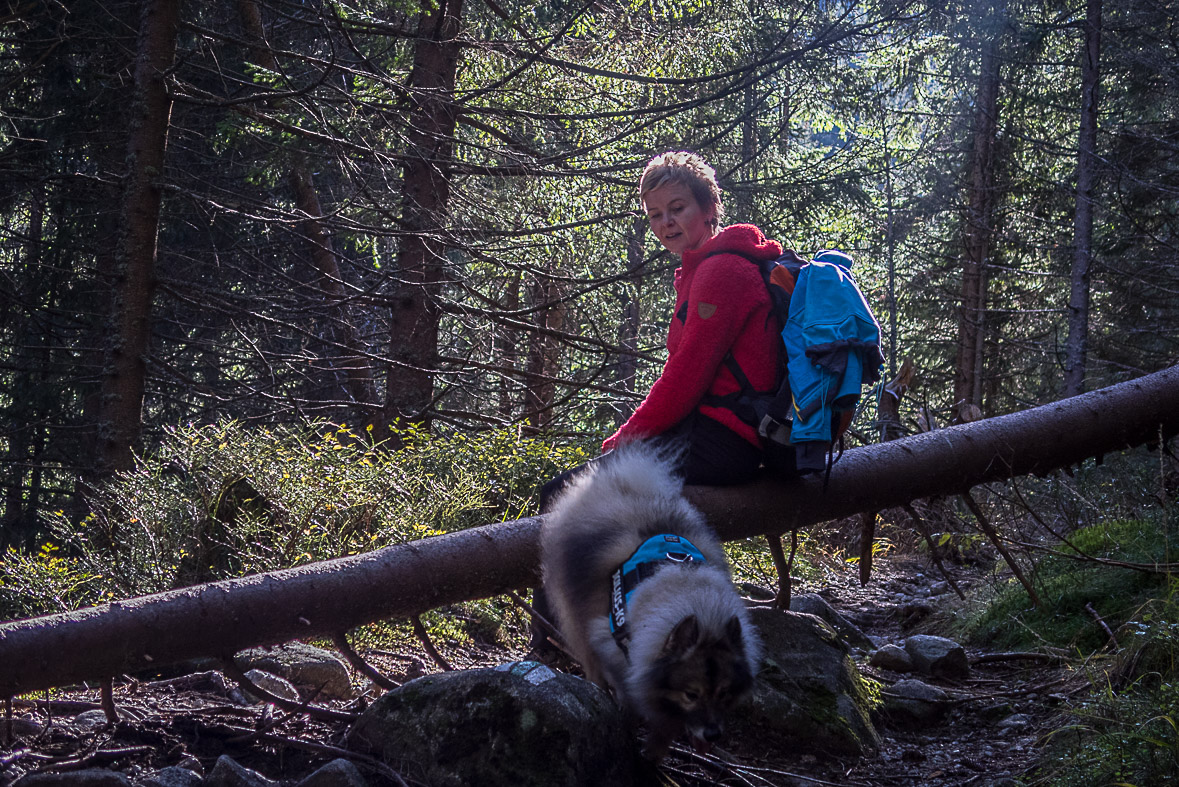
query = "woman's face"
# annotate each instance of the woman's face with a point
(677, 219)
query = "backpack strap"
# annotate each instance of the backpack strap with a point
(750, 405)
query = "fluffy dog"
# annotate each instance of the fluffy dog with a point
(685, 652)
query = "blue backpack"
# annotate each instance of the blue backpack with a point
(830, 350)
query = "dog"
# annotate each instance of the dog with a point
(677, 649)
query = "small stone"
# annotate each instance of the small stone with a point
(337, 773)
(23, 727)
(90, 720)
(892, 657)
(912, 703)
(228, 773)
(938, 656)
(172, 776)
(279, 687)
(314, 670)
(89, 777)
(1016, 721)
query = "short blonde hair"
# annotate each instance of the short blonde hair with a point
(690, 169)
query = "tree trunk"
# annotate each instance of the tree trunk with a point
(19, 520)
(632, 312)
(124, 373)
(543, 353)
(354, 365)
(968, 369)
(327, 598)
(1078, 302)
(507, 340)
(413, 340)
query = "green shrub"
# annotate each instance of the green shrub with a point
(225, 500)
(1066, 586)
(1127, 731)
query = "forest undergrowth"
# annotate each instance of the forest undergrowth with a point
(1098, 545)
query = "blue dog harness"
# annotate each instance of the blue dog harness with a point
(663, 548)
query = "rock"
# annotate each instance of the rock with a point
(808, 690)
(938, 656)
(22, 727)
(912, 703)
(311, 669)
(1016, 721)
(89, 777)
(518, 725)
(228, 773)
(337, 773)
(757, 593)
(892, 657)
(208, 681)
(173, 776)
(277, 686)
(814, 604)
(90, 720)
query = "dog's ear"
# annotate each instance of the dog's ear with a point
(733, 632)
(685, 634)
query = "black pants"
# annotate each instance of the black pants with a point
(712, 455)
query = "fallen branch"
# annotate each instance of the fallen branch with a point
(325, 598)
(424, 637)
(1113, 641)
(991, 658)
(934, 553)
(314, 711)
(360, 665)
(993, 535)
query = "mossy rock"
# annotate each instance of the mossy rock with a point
(808, 691)
(517, 725)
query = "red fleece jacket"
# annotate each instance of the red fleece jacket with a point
(721, 306)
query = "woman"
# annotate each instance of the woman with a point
(722, 319)
(722, 326)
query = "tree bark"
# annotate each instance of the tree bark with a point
(543, 353)
(627, 368)
(507, 340)
(413, 346)
(1077, 348)
(327, 598)
(124, 373)
(968, 369)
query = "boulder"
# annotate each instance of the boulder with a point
(814, 604)
(938, 656)
(311, 669)
(809, 691)
(518, 725)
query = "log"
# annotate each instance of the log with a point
(324, 599)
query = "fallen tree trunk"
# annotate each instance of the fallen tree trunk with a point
(221, 618)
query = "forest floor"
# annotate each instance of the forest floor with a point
(992, 735)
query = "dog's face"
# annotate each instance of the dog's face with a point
(696, 681)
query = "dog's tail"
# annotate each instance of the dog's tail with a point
(643, 470)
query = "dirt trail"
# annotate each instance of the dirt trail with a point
(989, 736)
